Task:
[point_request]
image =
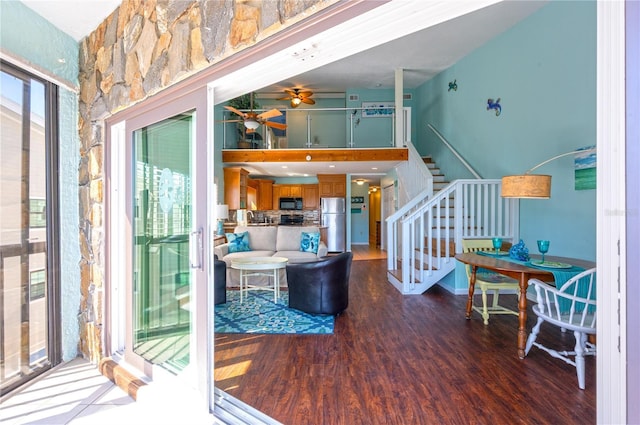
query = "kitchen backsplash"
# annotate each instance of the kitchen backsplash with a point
(273, 216)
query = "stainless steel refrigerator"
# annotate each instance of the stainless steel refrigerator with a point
(333, 216)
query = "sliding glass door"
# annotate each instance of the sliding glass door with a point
(159, 188)
(161, 251)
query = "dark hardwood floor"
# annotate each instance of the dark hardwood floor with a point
(397, 359)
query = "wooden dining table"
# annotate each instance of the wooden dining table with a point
(520, 272)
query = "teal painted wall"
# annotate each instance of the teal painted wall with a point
(29, 36)
(294, 180)
(26, 36)
(544, 72)
(327, 128)
(374, 132)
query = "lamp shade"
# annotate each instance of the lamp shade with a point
(251, 123)
(533, 186)
(222, 212)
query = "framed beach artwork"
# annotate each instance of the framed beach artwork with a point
(378, 109)
(585, 169)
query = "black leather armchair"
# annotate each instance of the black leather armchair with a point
(219, 281)
(320, 287)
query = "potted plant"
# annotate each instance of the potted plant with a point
(243, 103)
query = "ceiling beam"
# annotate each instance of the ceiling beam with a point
(315, 155)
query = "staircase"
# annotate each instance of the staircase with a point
(439, 180)
(425, 234)
(439, 183)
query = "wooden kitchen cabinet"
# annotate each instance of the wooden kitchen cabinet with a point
(235, 187)
(275, 197)
(264, 194)
(332, 185)
(285, 191)
(310, 197)
(290, 191)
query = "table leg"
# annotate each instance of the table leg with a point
(241, 284)
(522, 314)
(276, 285)
(472, 288)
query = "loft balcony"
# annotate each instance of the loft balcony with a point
(356, 138)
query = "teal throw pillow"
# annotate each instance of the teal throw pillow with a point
(310, 242)
(238, 242)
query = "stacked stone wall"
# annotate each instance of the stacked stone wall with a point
(140, 49)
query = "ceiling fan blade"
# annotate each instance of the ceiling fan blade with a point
(291, 92)
(236, 111)
(277, 125)
(270, 114)
(284, 98)
(305, 93)
(231, 121)
(308, 101)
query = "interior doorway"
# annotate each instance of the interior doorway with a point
(375, 214)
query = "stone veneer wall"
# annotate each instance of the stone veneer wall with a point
(142, 48)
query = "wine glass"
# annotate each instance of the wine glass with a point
(497, 244)
(543, 247)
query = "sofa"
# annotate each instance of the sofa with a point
(270, 241)
(219, 281)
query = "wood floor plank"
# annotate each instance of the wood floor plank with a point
(397, 359)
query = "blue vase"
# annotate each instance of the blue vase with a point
(220, 227)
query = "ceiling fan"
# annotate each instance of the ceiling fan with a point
(298, 96)
(253, 120)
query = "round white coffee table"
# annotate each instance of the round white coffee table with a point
(259, 266)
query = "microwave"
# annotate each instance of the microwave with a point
(290, 203)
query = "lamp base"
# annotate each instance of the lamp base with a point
(220, 230)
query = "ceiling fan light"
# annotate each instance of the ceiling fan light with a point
(251, 124)
(295, 102)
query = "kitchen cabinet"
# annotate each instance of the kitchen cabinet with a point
(332, 185)
(235, 187)
(323, 234)
(290, 191)
(264, 194)
(252, 198)
(310, 197)
(285, 191)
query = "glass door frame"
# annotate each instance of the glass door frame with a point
(52, 232)
(119, 171)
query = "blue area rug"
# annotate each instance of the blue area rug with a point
(259, 315)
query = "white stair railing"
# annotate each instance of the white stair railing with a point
(425, 234)
(413, 177)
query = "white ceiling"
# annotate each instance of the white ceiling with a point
(78, 18)
(422, 55)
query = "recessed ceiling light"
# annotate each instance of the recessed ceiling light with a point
(284, 166)
(332, 166)
(374, 168)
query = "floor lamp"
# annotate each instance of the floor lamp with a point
(533, 186)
